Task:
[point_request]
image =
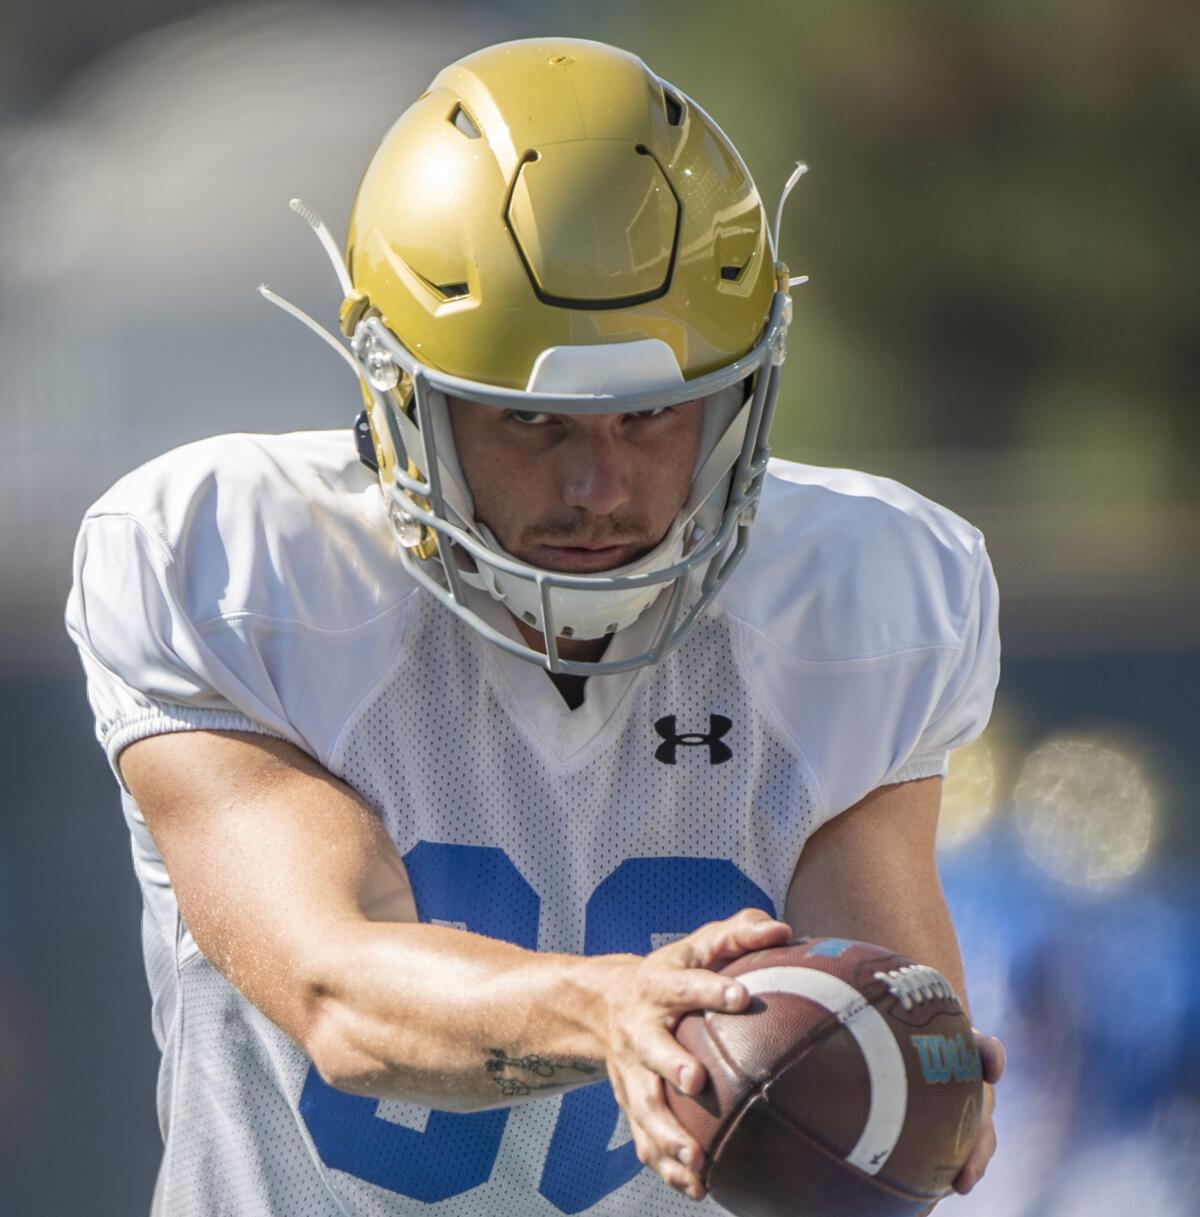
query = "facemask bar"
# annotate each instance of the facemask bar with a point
(417, 441)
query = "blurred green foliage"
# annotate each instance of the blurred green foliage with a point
(1000, 222)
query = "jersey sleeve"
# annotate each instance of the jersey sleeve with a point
(149, 667)
(870, 628)
(963, 704)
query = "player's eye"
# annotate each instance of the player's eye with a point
(537, 418)
(529, 418)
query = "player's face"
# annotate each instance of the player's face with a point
(576, 493)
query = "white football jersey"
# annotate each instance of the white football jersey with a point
(250, 582)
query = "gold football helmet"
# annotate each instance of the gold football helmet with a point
(544, 206)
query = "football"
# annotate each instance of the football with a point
(850, 1086)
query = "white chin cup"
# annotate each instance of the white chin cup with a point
(580, 612)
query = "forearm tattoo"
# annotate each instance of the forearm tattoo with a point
(521, 1075)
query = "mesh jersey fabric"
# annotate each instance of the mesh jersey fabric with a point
(249, 583)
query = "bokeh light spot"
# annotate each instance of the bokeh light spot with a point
(1084, 812)
(968, 794)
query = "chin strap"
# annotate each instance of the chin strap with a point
(703, 505)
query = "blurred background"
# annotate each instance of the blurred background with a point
(999, 225)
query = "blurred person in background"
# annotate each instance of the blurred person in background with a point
(409, 720)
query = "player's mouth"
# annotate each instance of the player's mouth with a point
(584, 558)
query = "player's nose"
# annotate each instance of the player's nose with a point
(595, 474)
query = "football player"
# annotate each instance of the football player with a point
(459, 749)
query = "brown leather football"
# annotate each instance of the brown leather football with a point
(850, 1086)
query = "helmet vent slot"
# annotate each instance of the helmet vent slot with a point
(464, 122)
(445, 291)
(674, 109)
(733, 273)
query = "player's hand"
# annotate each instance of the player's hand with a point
(991, 1052)
(643, 1054)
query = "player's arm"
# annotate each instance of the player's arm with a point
(292, 888)
(870, 874)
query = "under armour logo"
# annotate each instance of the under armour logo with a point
(718, 727)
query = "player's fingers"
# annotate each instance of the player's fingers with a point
(647, 1153)
(678, 990)
(678, 1177)
(618, 1085)
(657, 1050)
(678, 1154)
(977, 1160)
(992, 1056)
(749, 930)
(682, 1180)
(677, 1163)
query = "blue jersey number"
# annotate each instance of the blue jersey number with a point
(481, 888)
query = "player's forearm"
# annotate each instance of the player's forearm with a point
(871, 873)
(920, 928)
(457, 1021)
